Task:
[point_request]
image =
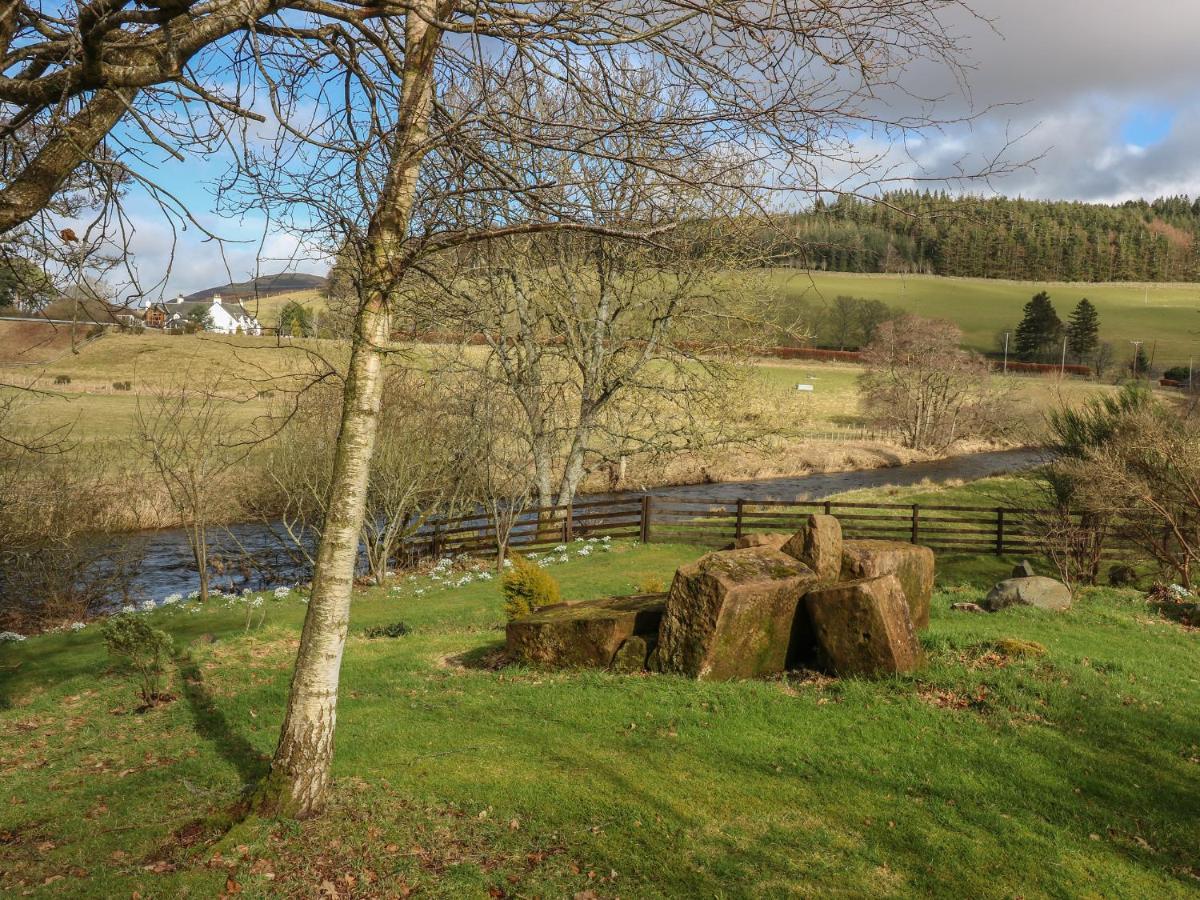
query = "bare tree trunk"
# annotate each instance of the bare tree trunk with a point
(300, 769)
(304, 756)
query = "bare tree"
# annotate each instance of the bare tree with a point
(186, 434)
(922, 384)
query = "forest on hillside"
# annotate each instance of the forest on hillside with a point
(998, 237)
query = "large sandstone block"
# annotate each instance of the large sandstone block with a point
(772, 539)
(588, 633)
(819, 546)
(912, 564)
(733, 614)
(863, 627)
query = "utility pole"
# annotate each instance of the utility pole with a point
(1006, 353)
(1137, 345)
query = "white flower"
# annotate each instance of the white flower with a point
(606, 538)
(128, 608)
(281, 591)
(507, 564)
(256, 603)
(529, 556)
(585, 551)
(172, 599)
(194, 595)
(1179, 592)
(77, 626)
(147, 606)
(485, 576)
(420, 591)
(7, 636)
(561, 548)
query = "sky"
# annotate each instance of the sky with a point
(1102, 94)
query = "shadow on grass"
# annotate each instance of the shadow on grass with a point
(212, 725)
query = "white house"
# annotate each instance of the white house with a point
(224, 318)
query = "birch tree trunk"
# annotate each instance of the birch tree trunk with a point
(303, 759)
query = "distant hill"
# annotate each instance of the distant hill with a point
(262, 286)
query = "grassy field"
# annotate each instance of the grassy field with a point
(1166, 315)
(101, 412)
(1072, 773)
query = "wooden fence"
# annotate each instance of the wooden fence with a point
(647, 518)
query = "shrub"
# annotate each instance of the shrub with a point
(527, 587)
(131, 639)
(122, 385)
(62, 379)
(650, 584)
(1122, 575)
(395, 630)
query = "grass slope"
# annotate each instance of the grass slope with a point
(1166, 314)
(1070, 774)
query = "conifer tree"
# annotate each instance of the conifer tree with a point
(1040, 328)
(1083, 330)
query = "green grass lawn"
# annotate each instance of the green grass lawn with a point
(1069, 774)
(1167, 314)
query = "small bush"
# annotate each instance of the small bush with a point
(62, 379)
(395, 630)
(1122, 575)
(131, 639)
(650, 584)
(122, 385)
(527, 587)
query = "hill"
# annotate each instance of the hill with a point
(1165, 317)
(279, 283)
(999, 237)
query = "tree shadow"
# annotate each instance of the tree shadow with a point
(212, 725)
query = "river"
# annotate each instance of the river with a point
(167, 566)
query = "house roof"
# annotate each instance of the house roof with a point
(171, 307)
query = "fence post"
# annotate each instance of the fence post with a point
(645, 518)
(916, 521)
(999, 530)
(828, 508)
(737, 528)
(569, 525)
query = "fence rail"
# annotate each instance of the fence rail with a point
(649, 518)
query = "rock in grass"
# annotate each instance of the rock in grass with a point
(733, 614)
(863, 627)
(819, 546)
(587, 633)
(967, 607)
(1023, 569)
(1039, 591)
(912, 564)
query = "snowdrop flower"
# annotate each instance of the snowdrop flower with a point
(172, 599)
(147, 606)
(282, 591)
(10, 636)
(256, 603)
(77, 626)
(606, 538)
(585, 551)
(485, 576)
(507, 564)
(561, 548)
(128, 608)
(420, 591)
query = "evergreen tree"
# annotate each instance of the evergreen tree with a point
(1039, 330)
(296, 320)
(1139, 366)
(1083, 330)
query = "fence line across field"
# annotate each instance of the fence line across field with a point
(650, 518)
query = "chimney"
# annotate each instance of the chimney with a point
(217, 299)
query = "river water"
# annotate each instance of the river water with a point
(167, 566)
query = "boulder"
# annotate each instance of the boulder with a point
(587, 633)
(733, 614)
(912, 564)
(631, 658)
(863, 627)
(1039, 591)
(1023, 569)
(774, 540)
(819, 546)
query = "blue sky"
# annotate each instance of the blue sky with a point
(1106, 105)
